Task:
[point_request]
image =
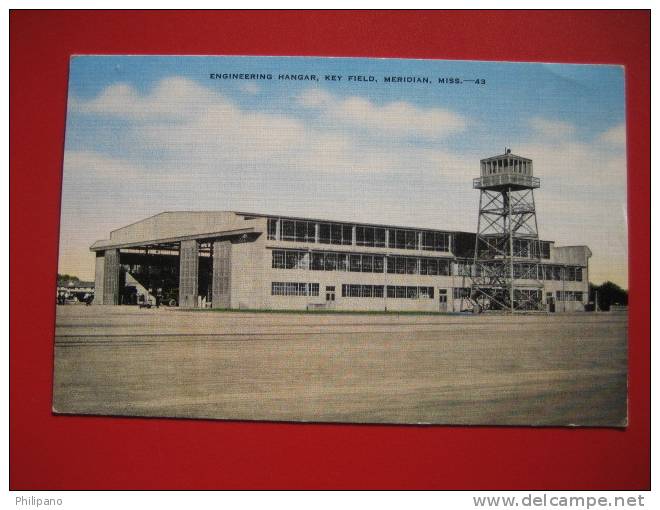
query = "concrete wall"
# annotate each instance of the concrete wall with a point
(266, 275)
(567, 306)
(252, 275)
(221, 282)
(573, 255)
(250, 266)
(111, 274)
(188, 274)
(339, 278)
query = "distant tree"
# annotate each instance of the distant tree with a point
(64, 279)
(609, 293)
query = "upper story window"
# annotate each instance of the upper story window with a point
(272, 229)
(335, 233)
(403, 239)
(435, 241)
(297, 230)
(544, 249)
(521, 247)
(303, 231)
(370, 236)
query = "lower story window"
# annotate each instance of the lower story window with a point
(409, 292)
(569, 295)
(358, 290)
(461, 292)
(294, 289)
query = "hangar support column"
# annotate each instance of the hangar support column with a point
(188, 273)
(99, 266)
(110, 288)
(221, 274)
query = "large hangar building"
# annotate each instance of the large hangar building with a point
(237, 260)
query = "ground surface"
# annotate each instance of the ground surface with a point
(535, 370)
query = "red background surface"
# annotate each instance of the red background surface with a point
(56, 452)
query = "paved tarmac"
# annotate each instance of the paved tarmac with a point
(557, 369)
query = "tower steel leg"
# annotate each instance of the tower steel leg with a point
(506, 255)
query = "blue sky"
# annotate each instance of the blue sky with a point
(146, 134)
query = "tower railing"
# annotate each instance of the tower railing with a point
(506, 179)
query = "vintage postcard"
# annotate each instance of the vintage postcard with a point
(343, 240)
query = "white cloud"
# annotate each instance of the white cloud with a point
(615, 136)
(552, 130)
(315, 98)
(79, 165)
(394, 120)
(250, 88)
(188, 125)
(172, 99)
(577, 165)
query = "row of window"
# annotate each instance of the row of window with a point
(526, 271)
(562, 295)
(531, 248)
(570, 273)
(370, 236)
(294, 289)
(407, 292)
(327, 261)
(416, 265)
(402, 291)
(341, 234)
(353, 290)
(506, 165)
(366, 263)
(393, 291)
(362, 290)
(338, 233)
(461, 292)
(528, 295)
(411, 240)
(569, 295)
(523, 248)
(361, 263)
(533, 271)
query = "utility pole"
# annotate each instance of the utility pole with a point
(596, 302)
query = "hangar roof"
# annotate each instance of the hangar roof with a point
(174, 226)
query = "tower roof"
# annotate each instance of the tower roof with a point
(506, 155)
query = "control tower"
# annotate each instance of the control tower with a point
(507, 250)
